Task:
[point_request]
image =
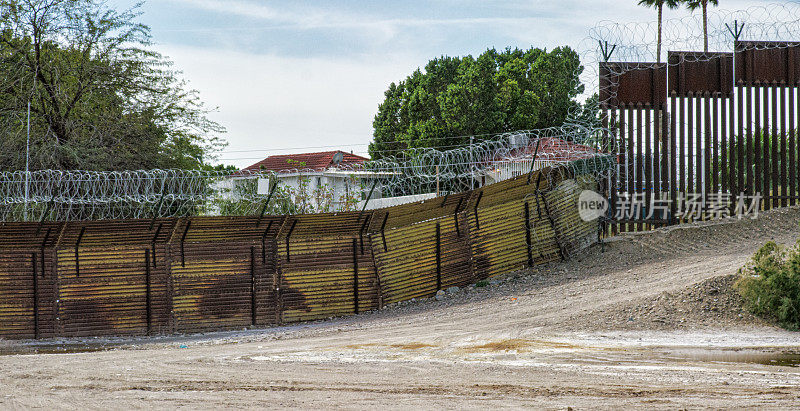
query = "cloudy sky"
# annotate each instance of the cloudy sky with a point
(294, 76)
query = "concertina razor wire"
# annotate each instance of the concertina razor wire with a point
(94, 195)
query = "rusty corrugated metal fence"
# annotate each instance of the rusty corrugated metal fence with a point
(138, 277)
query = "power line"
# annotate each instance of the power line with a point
(381, 151)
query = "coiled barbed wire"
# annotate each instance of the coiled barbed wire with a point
(91, 195)
(758, 27)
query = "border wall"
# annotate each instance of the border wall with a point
(162, 276)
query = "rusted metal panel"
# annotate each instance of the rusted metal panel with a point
(212, 286)
(456, 256)
(698, 72)
(499, 245)
(198, 274)
(223, 273)
(574, 234)
(626, 84)
(407, 266)
(422, 247)
(767, 62)
(113, 278)
(498, 227)
(108, 295)
(26, 294)
(27, 281)
(325, 266)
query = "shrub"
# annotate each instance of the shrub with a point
(770, 284)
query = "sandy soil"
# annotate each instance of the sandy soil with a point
(650, 321)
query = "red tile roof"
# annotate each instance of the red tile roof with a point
(305, 161)
(555, 149)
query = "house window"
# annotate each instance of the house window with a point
(319, 181)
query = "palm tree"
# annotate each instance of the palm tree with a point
(693, 5)
(659, 4)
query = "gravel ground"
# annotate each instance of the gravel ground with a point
(648, 320)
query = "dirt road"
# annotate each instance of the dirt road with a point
(651, 321)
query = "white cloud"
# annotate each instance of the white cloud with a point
(320, 18)
(275, 102)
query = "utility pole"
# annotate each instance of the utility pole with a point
(28, 147)
(27, 161)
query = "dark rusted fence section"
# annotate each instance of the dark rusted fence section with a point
(325, 266)
(722, 132)
(422, 248)
(112, 278)
(223, 272)
(139, 277)
(28, 283)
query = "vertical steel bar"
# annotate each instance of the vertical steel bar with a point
(383, 231)
(745, 173)
(603, 185)
(364, 227)
(774, 141)
(647, 162)
(734, 149)
(552, 221)
(631, 165)
(711, 143)
(477, 203)
(148, 303)
(756, 137)
(438, 257)
(638, 184)
(253, 288)
(722, 166)
(614, 180)
(764, 137)
(77, 249)
(783, 134)
(676, 157)
(656, 157)
(792, 148)
(35, 297)
(183, 240)
(264, 243)
(42, 248)
(288, 236)
(689, 122)
(665, 155)
(355, 276)
(528, 233)
(455, 217)
(622, 166)
(153, 243)
(699, 164)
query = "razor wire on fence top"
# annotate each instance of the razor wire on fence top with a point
(758, 27)
(92, 195)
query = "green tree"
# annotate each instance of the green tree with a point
(99, 98)
(659, 4)
(456, 97)
(702, 4)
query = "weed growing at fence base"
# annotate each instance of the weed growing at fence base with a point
(770, 284)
